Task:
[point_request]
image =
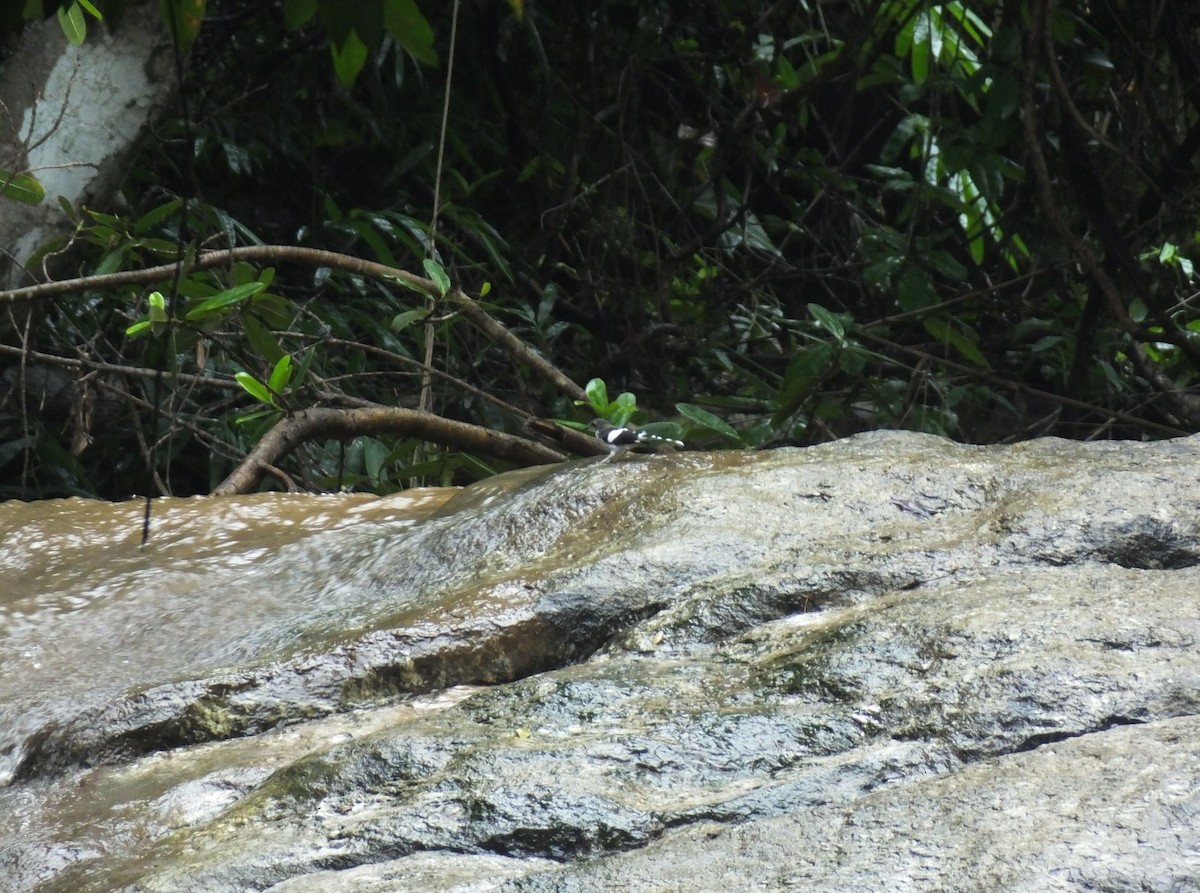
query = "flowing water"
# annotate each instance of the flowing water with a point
(85, 612)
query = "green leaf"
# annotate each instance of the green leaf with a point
(753, 235)
(255, 388)
(255, 416)
(404, 22)
(156, 215)
(965, 344)
(274, 310)
(828, 321)
(371, 236)
(306, 360)
(786, 74)
(914, 289)
(945, 263)
(921, 48)
(158, 307)
(622, 409)
(161, 247)
(91, 10)
(73, 25)
(706, 419)
(375, 457)
(243, 272)
(186, 17)
(349, 58)
(281, 375)
(804, 373)
(24, 188)
(977, 248)
(224, 299)
(156, 317)
(404, 283)
(297, 13)
(904, 39)
(402, 321)
(435, 272)
(106, 219)
(265, 344)
(111, 262)
(597, 394)
(138, 328)
(332, 211)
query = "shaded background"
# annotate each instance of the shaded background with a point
(973, 219)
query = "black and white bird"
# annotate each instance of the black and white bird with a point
(621, 439)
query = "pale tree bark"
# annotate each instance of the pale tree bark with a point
(73, 116)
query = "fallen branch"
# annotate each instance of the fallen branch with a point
(340, 424)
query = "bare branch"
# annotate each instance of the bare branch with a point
(324, 423)
(206, 260)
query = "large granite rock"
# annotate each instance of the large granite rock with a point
(890, 663)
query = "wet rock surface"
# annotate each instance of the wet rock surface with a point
(888, 663)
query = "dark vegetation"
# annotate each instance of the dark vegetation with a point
(799, 220)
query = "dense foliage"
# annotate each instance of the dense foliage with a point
(970, 218)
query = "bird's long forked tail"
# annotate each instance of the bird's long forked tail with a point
(618, 439)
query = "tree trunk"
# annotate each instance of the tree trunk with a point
(72, 117)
